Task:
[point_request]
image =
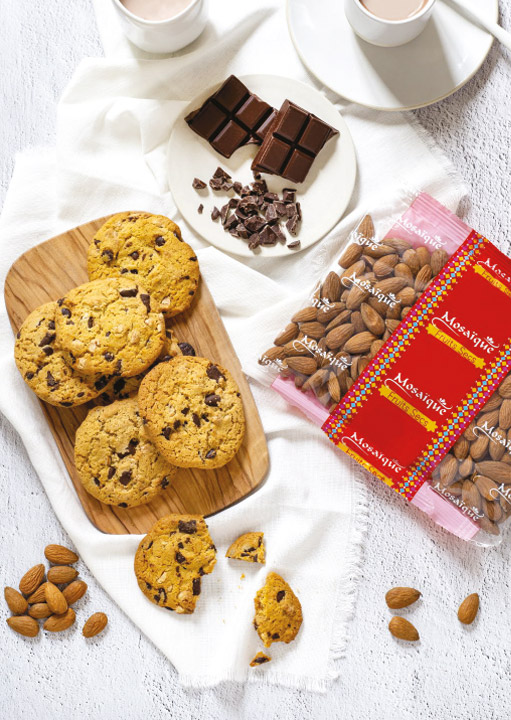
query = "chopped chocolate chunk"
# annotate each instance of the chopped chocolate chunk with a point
(186, 348)
(90, 322)
(214, 373)
(289, 195)
(189, 527)
(292, 225)
(200, 209)
(236, 186)
(271, 214)
(177, 424)
(294, 244)
(198, 184)
(215, 213)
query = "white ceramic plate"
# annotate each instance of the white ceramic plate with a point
(437, 63)
(332, 174)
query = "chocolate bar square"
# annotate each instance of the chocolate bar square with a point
(292, 143)
(232, 117)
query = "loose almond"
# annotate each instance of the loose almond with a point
(24, 625)
(39, 611)
(38, 596)
(15, 601)
(403, 629)
(74, 591)
(55, 599)
(401, 597)
(95, 624)
(57, 623)
(467, 611)
(60, 555)
(32, 579)
(60, 574)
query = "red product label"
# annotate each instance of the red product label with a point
(434, 373)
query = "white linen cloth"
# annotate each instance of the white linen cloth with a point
(114, 121)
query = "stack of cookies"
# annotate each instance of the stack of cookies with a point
(108, 338)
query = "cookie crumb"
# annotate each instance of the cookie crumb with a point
(260, 659)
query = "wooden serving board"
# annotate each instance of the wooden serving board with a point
(48, 271)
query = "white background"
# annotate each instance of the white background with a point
(453, 673)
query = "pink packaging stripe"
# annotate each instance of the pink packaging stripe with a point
(306, 402)
(444, 513)
(428, 222)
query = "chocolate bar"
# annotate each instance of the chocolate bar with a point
(232, 117)
(292, 143)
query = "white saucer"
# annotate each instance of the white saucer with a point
(437, 63)
(331, 176)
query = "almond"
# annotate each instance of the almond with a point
(438, 260)
(334, 388)
(289, 333)
(61, 574)
(304, 365)
(493, 403)
(398, 244)
(95, 624)
(488, 526)
(407, 296)
(496, 449)
(55, 599)
(486, 486)
(492, 510)
(378, 250)
(39, 611)
(32, 579)
(403, 629)
(505, 414)
(467, 611)
(376, 346)
(366, 227)
(411, 259)
(356, 297)
(470, 496)
(466, 467)
(448, 469)
(391, 325)
(339, 335)
(497, 471)
(315, 381)
(385, 265)
(60, 555)
(357, 269)
(469, 432)
(38, 595)
(422, 278)
(390, 285)
(479, 447)
(357, 321)
(491, 418)
(57, 623)
(424, 255)
(403, 271)
(331, 287)
(351, 255)
(460, 448)
(340, 319)
(504, 388)
(296, 347)
(24, 625)
(456, 489)
(378, 305)
(394, 312)
(305, 315)
(332, 312)
(372, 320)
(401, 597)
(15, 601)
(359, 343)
(313, 329)
(273, 353)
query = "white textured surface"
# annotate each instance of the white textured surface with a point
(453, 672)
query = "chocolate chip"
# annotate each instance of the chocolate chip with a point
(260, 660)
(66, 404)
(177, 425)
(134, 254)
(132, 446)
(108, 356)
(146, 300)
(101, 383)
(111, 472)
(123, 505)
(131, 292)
(196, 419)
(47, 339)
(214, 373)
(119, 385)
(210, 454)
(215, 213)
(29, 375)
(159, 241)
(180, 558)
(50, 380)
(66, 312)
(275, 636)
(148, 586)
(166, 432)
(198, 184)
(96, 482)
(109, 254)
(189, 527)
(186, 348)
(212, 400)
(90, 321)
(196, 586)
(193, 259)
(280, 595)
(48, 350)
(165, 482)
(185, 411)
(125, 478)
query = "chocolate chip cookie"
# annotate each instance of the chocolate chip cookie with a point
(110, 326)
(116, 461)
(171, 560)
(249, 547)
(43, 366)
(278, 613)
(194, 412)
(151, 250)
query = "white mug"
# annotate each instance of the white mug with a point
(386, 33)
(164, 36)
